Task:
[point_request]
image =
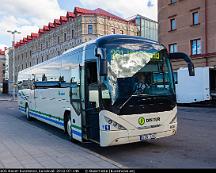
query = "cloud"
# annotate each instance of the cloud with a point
(125, 8)
(27, 16)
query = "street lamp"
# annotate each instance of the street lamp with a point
(13, 33)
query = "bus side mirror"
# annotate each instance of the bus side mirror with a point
(186, 58)
(98, 52)
(103, 67)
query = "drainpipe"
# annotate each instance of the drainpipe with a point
(206, 32)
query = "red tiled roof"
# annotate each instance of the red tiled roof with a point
(40, 31)
(34, 35)
(97, 11)
(70, 14)
(25, 40)
(2, 52)
(63, 19)
(29, 37)
(46, 28)
(57, 22)
(51, 25)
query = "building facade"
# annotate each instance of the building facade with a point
(64, 33)
(146, 27)
(2, 68)
(189, 26)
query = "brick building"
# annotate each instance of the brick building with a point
(64, 33)
(189, 26)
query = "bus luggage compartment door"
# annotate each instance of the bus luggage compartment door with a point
(93, 131)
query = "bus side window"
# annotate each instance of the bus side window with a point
(75, 97)
(92, 86)
(75, 82)
(175, 74)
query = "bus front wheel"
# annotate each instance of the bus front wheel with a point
(69, 128)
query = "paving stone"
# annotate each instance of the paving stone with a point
(26, 144)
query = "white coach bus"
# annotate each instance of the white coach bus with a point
(114, 90)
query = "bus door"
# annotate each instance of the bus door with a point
(92, 102)
(76, 95)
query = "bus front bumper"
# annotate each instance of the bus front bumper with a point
(111, 138)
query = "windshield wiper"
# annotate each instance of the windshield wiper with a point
(125, 102)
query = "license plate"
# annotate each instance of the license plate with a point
(147, 137)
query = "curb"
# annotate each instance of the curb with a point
(9, 100)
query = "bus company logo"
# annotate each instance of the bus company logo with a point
(153, 119)
(141, 121)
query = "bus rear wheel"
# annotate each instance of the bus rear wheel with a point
(69, 128)
(28, 117)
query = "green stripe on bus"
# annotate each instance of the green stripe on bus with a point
(76, 127)
(48, 115)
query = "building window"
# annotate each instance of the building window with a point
(47, 44)
(29, 64)
(26, 65)
(90, 29)
(173, 48)
(42, 59)
(196, 47)
(113, 31)
(22, 66)
(41, 47)
(173, 1)
(30, 53)
(65, 37)
(58, 39)
(37, 60)
(72, 33)
(121, 32)
(195, 18)
(172, 24)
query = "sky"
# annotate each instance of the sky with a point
(28, 16)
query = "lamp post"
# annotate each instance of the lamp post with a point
(13, 33)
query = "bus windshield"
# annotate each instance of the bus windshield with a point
(136, 71)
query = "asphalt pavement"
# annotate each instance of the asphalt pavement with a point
(194, 145)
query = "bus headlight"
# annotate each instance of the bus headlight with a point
(114, 124)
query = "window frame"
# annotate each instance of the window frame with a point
(193, 18)
(196, 44)
(171, 24)
(172, 2)
(172, 46)
(90, 28)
